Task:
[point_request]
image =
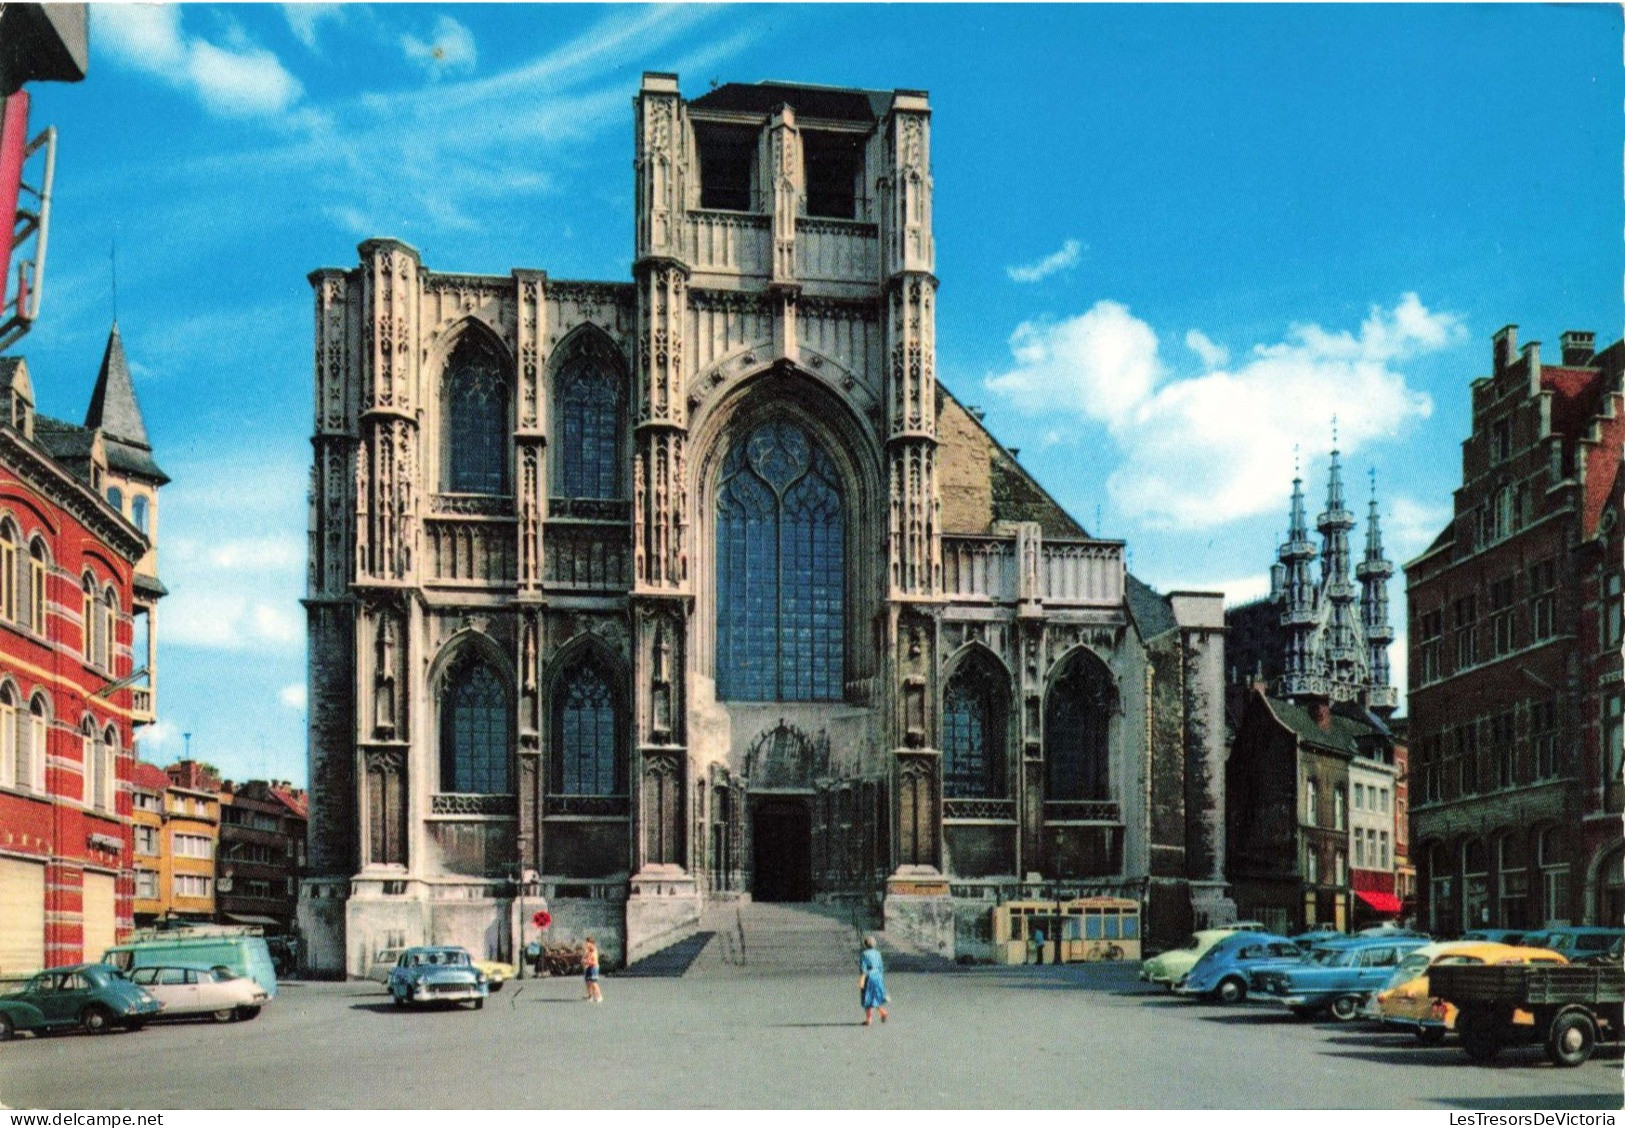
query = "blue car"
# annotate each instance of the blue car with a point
(437, 975)
(1336, 977)
(92, 996)
(1221, 974)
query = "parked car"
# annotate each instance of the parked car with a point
(1406, 1003)
(89, 995)
(1336, 977)
(1318, 934)
(1172, 965)
(1574, 941)
(496, 972)
(1221, 973)
(1495, 935)
(437, 975)
(242, 950)
(1393, 931)
(194, 989)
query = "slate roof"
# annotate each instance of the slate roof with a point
(63, 441)
(1153, 614)
(1344, 735)
(830, 102)
(113, 409)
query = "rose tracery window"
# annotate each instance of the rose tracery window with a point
(476, 423)
(781, 588)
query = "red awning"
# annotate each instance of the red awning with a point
(1381, 902)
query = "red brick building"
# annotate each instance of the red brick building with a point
(1513, 677)
(67, 572)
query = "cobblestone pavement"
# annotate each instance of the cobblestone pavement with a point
(1089, 1036)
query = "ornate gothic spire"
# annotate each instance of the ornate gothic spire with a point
(1339, 656)
(1298, 615)
(1373, 573)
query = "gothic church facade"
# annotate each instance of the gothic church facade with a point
(626, 599)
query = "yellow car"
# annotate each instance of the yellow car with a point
(1404, 1002)
(496, 972)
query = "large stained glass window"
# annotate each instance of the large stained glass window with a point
(781, 584)
(476, 425)
(973, 728)
(590, 454)
(474, 727)
(1076, 715)
(586, 736)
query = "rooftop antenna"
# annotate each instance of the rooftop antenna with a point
(1334, 431)
(188, 738)
(1296, 472)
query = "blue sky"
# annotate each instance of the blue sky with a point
(1174, 241)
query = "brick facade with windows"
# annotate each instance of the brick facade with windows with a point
(1512, 817)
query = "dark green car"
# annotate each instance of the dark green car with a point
(92, 996)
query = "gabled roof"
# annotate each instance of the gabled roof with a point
(295, 802)
(830, 102)
(63, 441)
(150, 777)
(113, 410)
(1344, 735)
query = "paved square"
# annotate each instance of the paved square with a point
(1080, 1036)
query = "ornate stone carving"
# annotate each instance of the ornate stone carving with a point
(471, 505)
(588, 806)
(463, 804)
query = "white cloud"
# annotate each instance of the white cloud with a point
(449, 48)
(305, 19)
(1241, 589)
(231, 620)
(1064, 259)
(155, 738)
(1100, 365)
(1409, 526)
(293, 696)
(1210, 448)
(235, 81)
(1212, 355)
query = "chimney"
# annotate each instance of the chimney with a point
(1321, 710)
(1578, 347)
(1504, 347)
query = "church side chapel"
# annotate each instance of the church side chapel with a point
(632, 599)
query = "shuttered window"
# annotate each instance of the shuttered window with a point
(22, 917)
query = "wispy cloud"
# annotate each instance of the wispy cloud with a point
(293, 696)
(449, 48)
(239, 80)
(1210, 448)
(1064, 259)
(305, 20)
(1212, 355)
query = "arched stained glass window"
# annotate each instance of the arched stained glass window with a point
(781, 585)
(1076, 716)
(476, 423)
(587, 738)
(973, 733)
(590, 452)
(474, 726)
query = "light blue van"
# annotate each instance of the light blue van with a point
(242, 950)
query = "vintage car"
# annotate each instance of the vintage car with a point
(496, 972)
(89, 995)
(1221, 973)
(437, 975)
(1171, 966)
(190, 989)
(1405, 1002)
(1335, 977)
(1318, 934)
(1574, 942)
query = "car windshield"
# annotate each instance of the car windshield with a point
(1328, 957)
(1409, 968)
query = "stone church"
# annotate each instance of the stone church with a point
(630, 598)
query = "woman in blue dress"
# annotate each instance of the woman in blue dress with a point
(872, 981)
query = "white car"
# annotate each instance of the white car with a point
(193, 989)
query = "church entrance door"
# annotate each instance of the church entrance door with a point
(781, 834)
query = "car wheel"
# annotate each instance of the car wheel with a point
(496, 984)
(1480, 1031)
(7, 1028)
(134, 1025)
(479, 1004)
(1430, 1035)
(1346, 1007)
(1572, 1037)
(246, 1013)
(97, 1019)
(1231, 990)
(400, 1002)
(225, 1015)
